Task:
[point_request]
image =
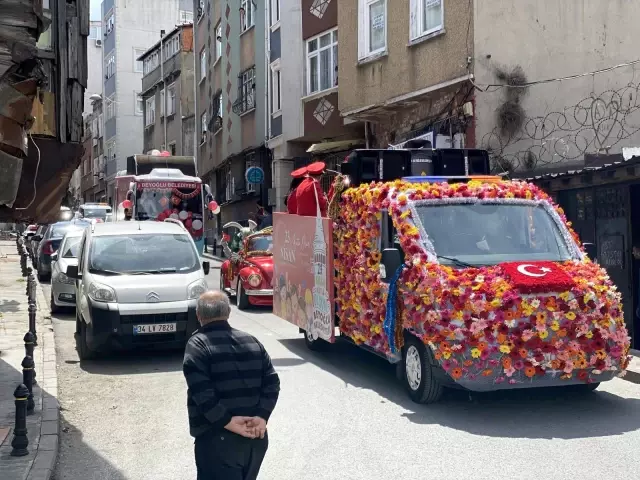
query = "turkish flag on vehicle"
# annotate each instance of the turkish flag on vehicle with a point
(530, 277)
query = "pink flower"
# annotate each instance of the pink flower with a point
(509, 371)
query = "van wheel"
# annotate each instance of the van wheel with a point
(242, 300)
(84, 352)
(318, 345)
(418, 377)
(53, 307)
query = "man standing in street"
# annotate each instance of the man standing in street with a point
(232, 391)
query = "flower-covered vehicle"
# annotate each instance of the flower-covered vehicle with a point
(476, 283)
(248, 272)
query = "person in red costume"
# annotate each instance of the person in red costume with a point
(307, 191)
(291, 200)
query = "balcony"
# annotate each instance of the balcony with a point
(245, 103)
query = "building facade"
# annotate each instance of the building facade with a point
(129, 29)
(231, 104)
(93, 183)
(304, 120)
(167, 93)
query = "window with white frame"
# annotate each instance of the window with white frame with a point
(150, 111)
(216, 112)
(274, 11)
(427, 16)
(247, 14)
(185, 17)
(138, 65)
(100, 125)
(372, 27)
(322, 62)
(151, 62)
(203, 65)
(95, 32)
(110, 107)
(276, 89)
(110, 23)
(171, 47)
(139, 108)
(219, 40)
(110, 65)
(171, 99)
(111, 151)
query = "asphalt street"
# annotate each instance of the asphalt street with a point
(342, 415)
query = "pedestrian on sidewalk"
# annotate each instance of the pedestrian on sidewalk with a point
(232, 391)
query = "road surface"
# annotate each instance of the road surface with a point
(341, 416)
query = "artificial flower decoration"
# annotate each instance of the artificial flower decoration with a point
(490, 323)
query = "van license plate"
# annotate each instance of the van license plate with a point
(154, 328)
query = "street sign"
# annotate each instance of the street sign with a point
(254, 175)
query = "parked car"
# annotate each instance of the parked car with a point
(63, 291)
(50, 243)
(247, 275)
(34, 241)
(137, 284)
(29, 232)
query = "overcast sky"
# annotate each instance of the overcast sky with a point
(95, 9)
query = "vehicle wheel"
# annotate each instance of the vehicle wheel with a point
(317, 345)
(41, 276)
(53, 307)
(84, 352)
(418, 377)
(242, 300)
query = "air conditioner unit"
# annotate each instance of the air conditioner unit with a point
(98, 42)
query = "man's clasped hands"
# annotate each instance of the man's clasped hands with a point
(250, 427)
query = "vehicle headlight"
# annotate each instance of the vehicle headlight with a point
(255, 280)
(101, 293)
(62, 278)
(196, 289)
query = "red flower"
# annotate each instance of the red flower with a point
(583, 375)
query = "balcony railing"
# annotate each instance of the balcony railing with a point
(245, 103)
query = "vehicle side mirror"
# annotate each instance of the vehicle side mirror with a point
(391, 261)
(54, 257)
(72, 272)
(37, 238)
(592, 251)
(206, 266)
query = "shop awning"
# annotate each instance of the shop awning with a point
(326, 147)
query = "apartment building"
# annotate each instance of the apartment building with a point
(93, 185)
(231, 103)
(129, 29)
(167, 93)
(304, 123)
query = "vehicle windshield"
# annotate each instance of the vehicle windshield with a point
(487, 234)
(260, 244)
(97, 212)
(59, 231)
(143, 253)
(70, 248)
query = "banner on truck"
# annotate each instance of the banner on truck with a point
(303, 273)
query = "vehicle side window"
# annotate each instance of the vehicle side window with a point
(81, 251)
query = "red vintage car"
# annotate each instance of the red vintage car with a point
(247, 274)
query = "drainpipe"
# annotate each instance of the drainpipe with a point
(164, 87)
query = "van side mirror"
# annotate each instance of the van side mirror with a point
(206, 266)
(592, 251)
(391, 261)
(72, 272)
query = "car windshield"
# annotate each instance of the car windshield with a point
(59, 231)
(260, 244)
(487, 234)
(143, 253)
(97, 212)
(70, 248)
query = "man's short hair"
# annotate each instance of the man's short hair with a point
(213, 305)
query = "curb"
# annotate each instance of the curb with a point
(44, 461)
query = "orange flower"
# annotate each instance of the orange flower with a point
(487, 373)
(530, 372)
(482, 346)
(562, 332)
(509, 315)
(456, 373)
(523, 352)
(501, 338)
(467, 363)
(541, 317)
(506, 362)
(437, 355)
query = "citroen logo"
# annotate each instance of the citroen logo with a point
(153, 297)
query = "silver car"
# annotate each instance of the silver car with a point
(63, 290)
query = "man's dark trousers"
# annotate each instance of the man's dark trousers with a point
(227, 456)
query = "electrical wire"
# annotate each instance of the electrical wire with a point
(35, 176)
(551, 80)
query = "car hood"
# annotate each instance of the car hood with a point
(263, 263)
(150, 288)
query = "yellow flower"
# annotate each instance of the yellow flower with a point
(570, 316)
(589, 334)
(446, 355)
(505, 349)
(475, 352)
(555, 326)
(564, 296)
(495, 302)
(543, 334)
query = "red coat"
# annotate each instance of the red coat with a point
(292, 203)
(306, 199)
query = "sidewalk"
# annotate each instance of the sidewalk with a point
(216, 258)
(42, 425)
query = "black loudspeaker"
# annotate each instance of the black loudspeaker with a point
(365, 166)
(454, 162)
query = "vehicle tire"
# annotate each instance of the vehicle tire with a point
(318, 345)
(418, 378)
(41, 276)
(242, 299)
(84, 352)
(53, 307)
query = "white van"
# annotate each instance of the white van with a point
(137, 284)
